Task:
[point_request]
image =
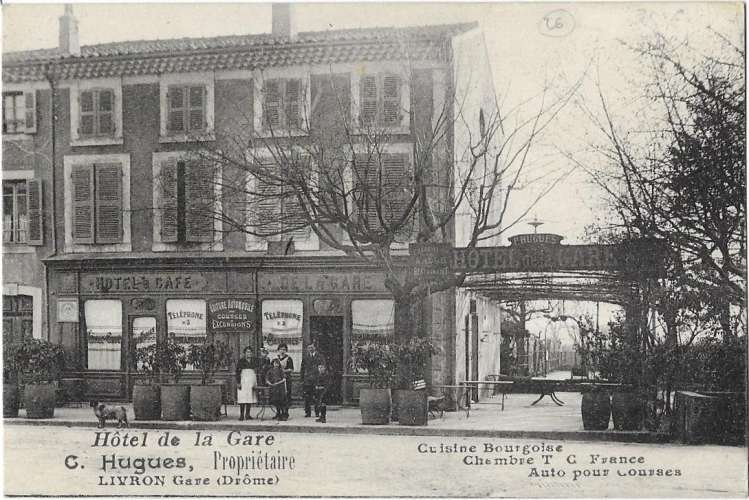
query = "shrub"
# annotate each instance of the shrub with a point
(39, 361)
(413, 356)
(208, 357)
(378, 360)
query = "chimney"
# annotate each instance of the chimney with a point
(284, 23)
(69, 32)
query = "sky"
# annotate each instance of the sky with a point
(530, 46)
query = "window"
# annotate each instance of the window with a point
(282, 324)
(97, 208)
(186, 323)
(19, 112)
(187, 191)
(382, 189)
(380, 100)
(22, 212)
(18, 321)
(186, 109)
(283, 102)
(96, 113)
(143, 333)
(103, 334)
(275, 208)
(372, 320)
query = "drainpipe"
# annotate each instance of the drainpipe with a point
(50, 75)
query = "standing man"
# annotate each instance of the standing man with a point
(287, 364)
(310, 372)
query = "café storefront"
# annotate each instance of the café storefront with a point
(104, 309)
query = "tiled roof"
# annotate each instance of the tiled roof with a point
(233, 52)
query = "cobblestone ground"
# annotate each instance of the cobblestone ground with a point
(365, 465)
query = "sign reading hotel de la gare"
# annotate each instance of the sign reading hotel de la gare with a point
(537, 252)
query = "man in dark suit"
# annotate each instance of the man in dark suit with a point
(310, 372)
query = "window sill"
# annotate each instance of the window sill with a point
(267, 134)
(215, 246)
(392, 130)
(205, 137)
(17, 248)
(99, 248)
(97, 141)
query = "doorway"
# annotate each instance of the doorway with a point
(327, 333)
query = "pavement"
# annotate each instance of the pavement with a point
(519, 419)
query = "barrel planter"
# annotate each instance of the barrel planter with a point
(626, 411)
(10, 400)
(175, 402)
(39, 400)
(375, 405)
(412, 407)
(596, 410)
(205, 401)
(146, 402)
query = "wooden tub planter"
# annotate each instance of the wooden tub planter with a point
(413, 407)
(205, 401)
(627, 411)
(10, 400)
(147, 401)
(596, 410)
(375, 406)
(39, 400)
(175, 402)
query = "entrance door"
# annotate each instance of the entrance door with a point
(327, 333)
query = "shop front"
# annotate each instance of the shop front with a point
(103, 310)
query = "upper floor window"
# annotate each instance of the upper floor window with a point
(186, 109)
(283, 103)
(96, 113)
(187, 201)
(22, 214)
(380, 100)
(19, 112)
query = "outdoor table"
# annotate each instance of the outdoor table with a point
(263, 401)
(546, 388)
(468, 384)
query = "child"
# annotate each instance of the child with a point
(276, 380)
(321, 392)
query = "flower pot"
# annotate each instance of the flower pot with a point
(175, 402)
(39, 400)
(596, 410)
(626, 411)
(205, 401)
(10, 400)
(412, 407)
(146, 402)
(375, 406)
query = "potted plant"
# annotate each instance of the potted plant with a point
(10, 380)
(171, 360)
(205, 399)
(595, 407)
(378, 361)
(146, 391)
(619, 363)
(40, 363)
(413, 357)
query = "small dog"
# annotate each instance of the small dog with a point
(104, 412)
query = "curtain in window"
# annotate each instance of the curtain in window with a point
(103, 334)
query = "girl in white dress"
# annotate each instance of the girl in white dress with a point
(246, 382)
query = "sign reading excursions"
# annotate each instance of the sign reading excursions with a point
(231, 315)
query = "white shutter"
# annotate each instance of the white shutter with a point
(30, 116)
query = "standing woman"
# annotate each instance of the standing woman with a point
(246, 382)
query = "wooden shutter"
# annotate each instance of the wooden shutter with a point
(196, 108)
(271, 104)
(366, 188)
(34, 206)
(396, 191)
(30, 107)
(293, 103)
(105, 112)
(267, 203)
(87, 116)
(391, 100)
(368, 99)
(199, 210)
(167, 183)
(292, 212)
(175, 98)
(83, 203)
(108, 203)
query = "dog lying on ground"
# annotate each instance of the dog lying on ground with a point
(105, 412)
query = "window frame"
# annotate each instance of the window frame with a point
(69, 162)
(98, 85)
(176, 80)
(14, 184)
(380, 71)
(157, 245)
(283, 74)
(122, 335)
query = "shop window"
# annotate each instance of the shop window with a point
(19, 112)
(372, 320)
(143, 333)
(282, 324)
(103, 334)
(186, 322)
